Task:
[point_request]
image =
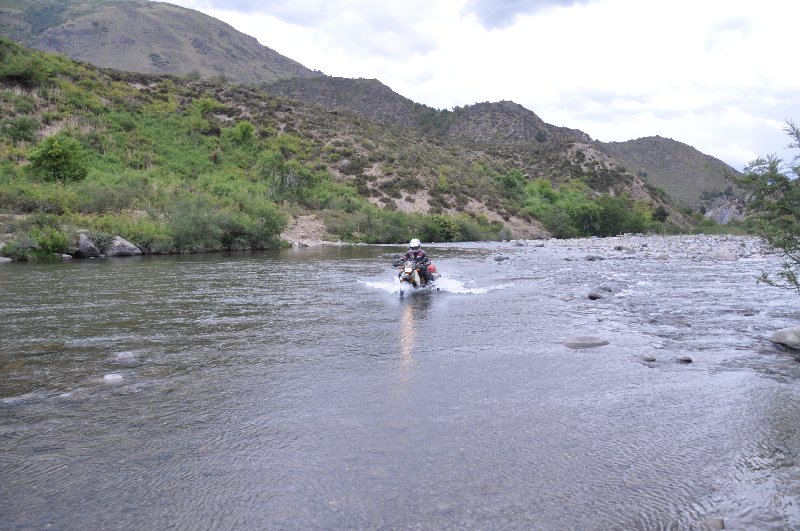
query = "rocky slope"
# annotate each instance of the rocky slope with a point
(365, 97)
(505, 122)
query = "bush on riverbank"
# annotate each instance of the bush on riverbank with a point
(571, 211)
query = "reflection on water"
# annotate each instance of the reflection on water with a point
(258, 393)
(407, 335)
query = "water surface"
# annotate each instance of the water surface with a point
(295, 390)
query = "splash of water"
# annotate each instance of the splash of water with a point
(446, 284)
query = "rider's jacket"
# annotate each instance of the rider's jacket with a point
(416, 254)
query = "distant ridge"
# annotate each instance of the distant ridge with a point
(506, 121)
(483, 123)
(688, 176)
(146, 37)
(366, 97)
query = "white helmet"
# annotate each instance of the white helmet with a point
(414, 244)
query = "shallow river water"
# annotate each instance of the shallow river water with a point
(296, 390)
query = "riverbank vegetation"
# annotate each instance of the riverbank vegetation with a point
(773, 186)
(188, 165)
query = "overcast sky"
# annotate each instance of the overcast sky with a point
(719, 75)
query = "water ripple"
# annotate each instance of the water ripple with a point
(306, 403)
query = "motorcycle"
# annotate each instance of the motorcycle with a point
(412, 276)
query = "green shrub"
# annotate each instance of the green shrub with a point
(512, 182)
(21, 129)
(148, 233)
(50, 239)
(197, 223)
(619, 215)
(206, 105)
(24, 104)
(585, 217)
(98, 197)
(267, 224)
(60, 158)
(21, 248)
(26, 197)
(194, 225)
(27, 68)
(441, 228)
(559, 223)
(242, 133)
(660, 214)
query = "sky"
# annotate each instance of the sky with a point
(719, 75)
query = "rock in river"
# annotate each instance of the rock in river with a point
(789, 337)
(600, 292)
(112, 378)
(724, 255)
(585, 342)
(713, 523)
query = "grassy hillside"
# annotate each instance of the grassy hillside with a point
(688, 176)
(144, 36)
(159, 38)
(179, 164)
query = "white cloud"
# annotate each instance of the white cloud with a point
(718, 75)
(494, 14)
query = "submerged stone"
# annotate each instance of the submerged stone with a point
(112, 378)
(713, 523)
(579, 342)
(126, 357)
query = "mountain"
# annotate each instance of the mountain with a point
(685, 174)
(504, 132)
(505, 122)
(688, 176)
(483, 123)
(144, 36)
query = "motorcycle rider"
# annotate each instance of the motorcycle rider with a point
(416, 253)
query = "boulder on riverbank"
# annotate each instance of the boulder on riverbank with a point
(121, 247)
(789, 337)
(86, 247)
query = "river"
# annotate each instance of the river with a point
(295, 390)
